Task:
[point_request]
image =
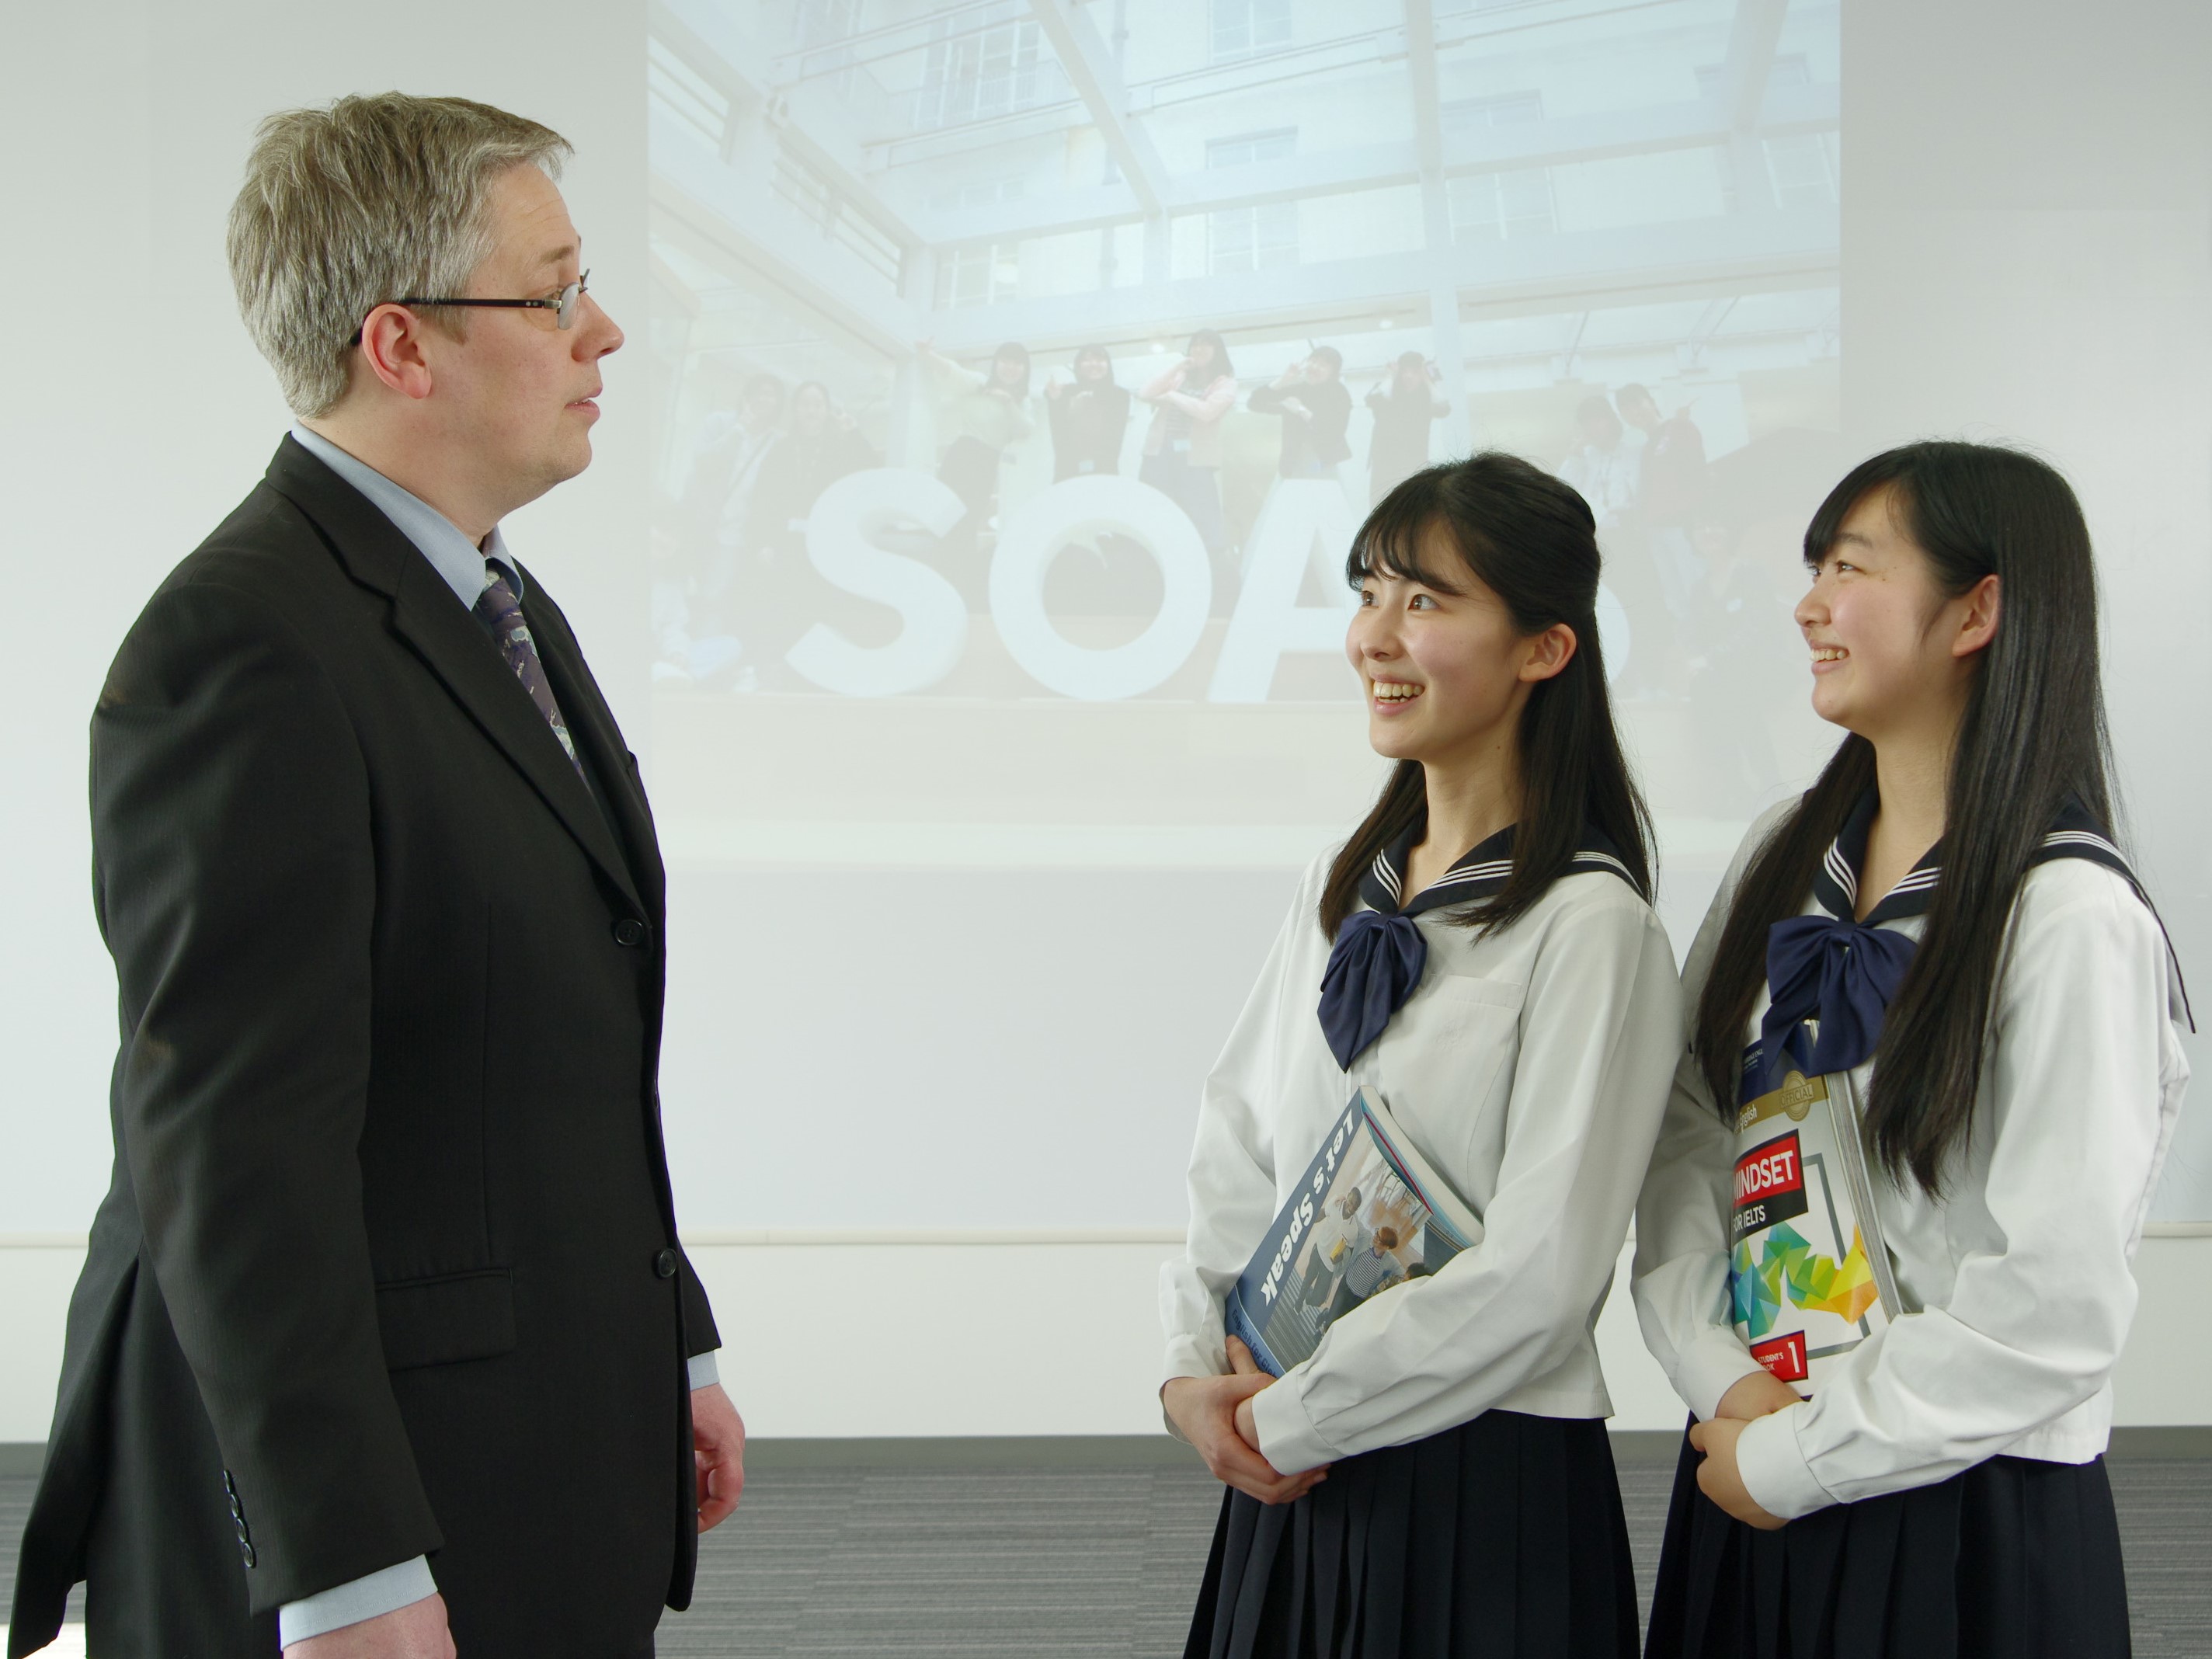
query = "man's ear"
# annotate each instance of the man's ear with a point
(391, 350)
(1984, 603)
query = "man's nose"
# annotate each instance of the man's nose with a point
(600, 334)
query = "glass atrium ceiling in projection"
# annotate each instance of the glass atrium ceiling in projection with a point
(1538, 203)
(1051, 155)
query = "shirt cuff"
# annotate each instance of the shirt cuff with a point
(371, 1597)
(1712, 1365)
(1187, 1357)
(1772, 1466)
(705, 1373)
(1288, 1439)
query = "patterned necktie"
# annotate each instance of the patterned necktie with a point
(499, 609)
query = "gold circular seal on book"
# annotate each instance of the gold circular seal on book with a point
(1798, 1096)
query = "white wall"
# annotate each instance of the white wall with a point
(842, 1335)
(2027, 253)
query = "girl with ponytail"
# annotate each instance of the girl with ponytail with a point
(1434, 1481)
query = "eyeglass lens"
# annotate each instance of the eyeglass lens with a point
(565, 315)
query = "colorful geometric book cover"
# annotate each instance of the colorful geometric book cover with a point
(1808, 1275)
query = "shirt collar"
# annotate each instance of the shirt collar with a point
(1477, 873)
(464, 567)
(2075, 833)
(1836, 882)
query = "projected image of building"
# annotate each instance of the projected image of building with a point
(1602, 235)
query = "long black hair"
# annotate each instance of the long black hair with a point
(1529, 539)
(1422, 391)
(1220, 365)
(2033, 734)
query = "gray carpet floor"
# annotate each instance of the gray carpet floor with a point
(1086, 1563)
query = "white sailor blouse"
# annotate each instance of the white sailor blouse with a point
(2016, 1282)
(1529, 1064)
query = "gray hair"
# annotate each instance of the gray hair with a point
(370, 200)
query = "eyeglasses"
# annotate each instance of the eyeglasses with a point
(563, 308)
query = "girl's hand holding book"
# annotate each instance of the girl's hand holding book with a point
(1756, 1395)
(1720, 1479)
(1214, 1414)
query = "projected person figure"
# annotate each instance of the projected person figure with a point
(1601, 466)
(1670, 487)
(1182, 448)
(784, 596)
(1315, 409)
(726, 459)
(698, 559)
(1405, 406)
(983, 414)
(1088, 415)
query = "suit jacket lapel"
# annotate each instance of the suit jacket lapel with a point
(591, 724)
(425, 613)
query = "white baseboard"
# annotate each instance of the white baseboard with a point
(856, 1335)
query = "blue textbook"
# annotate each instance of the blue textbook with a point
(1369, 1215)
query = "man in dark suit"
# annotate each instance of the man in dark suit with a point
(384, 1346)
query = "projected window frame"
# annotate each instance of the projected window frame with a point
(1262, 237)
(1242, 29)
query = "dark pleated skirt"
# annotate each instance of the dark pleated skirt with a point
(2015, 1558)
(1501, 1539)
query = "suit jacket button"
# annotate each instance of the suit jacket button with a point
(629, 932)
(663, 1265)
(246, 1552)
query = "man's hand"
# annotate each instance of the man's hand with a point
(1720, 1479)
(718, 1452)
(1209, 1410)
(416, 1631)
(1757, 1395)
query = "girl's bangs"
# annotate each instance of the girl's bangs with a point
(1390, 544)
(1862, 480)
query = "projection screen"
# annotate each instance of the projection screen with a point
(997, 625)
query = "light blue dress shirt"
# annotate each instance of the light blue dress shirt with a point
(466, 568)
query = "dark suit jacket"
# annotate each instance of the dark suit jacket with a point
(389, 1265)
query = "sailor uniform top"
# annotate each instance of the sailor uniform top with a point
(1530, 1066)
(2016, 1282)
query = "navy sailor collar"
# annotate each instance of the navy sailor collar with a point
(1480, 871)
(2074, 834)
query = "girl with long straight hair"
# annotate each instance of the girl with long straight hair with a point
(1939, 944)
(1182, 446)
(1404, 407)
(1089, 414)
(1434, 1481)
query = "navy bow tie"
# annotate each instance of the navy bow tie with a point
(1374, 966)
(1377, 961)
(1838, 972)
